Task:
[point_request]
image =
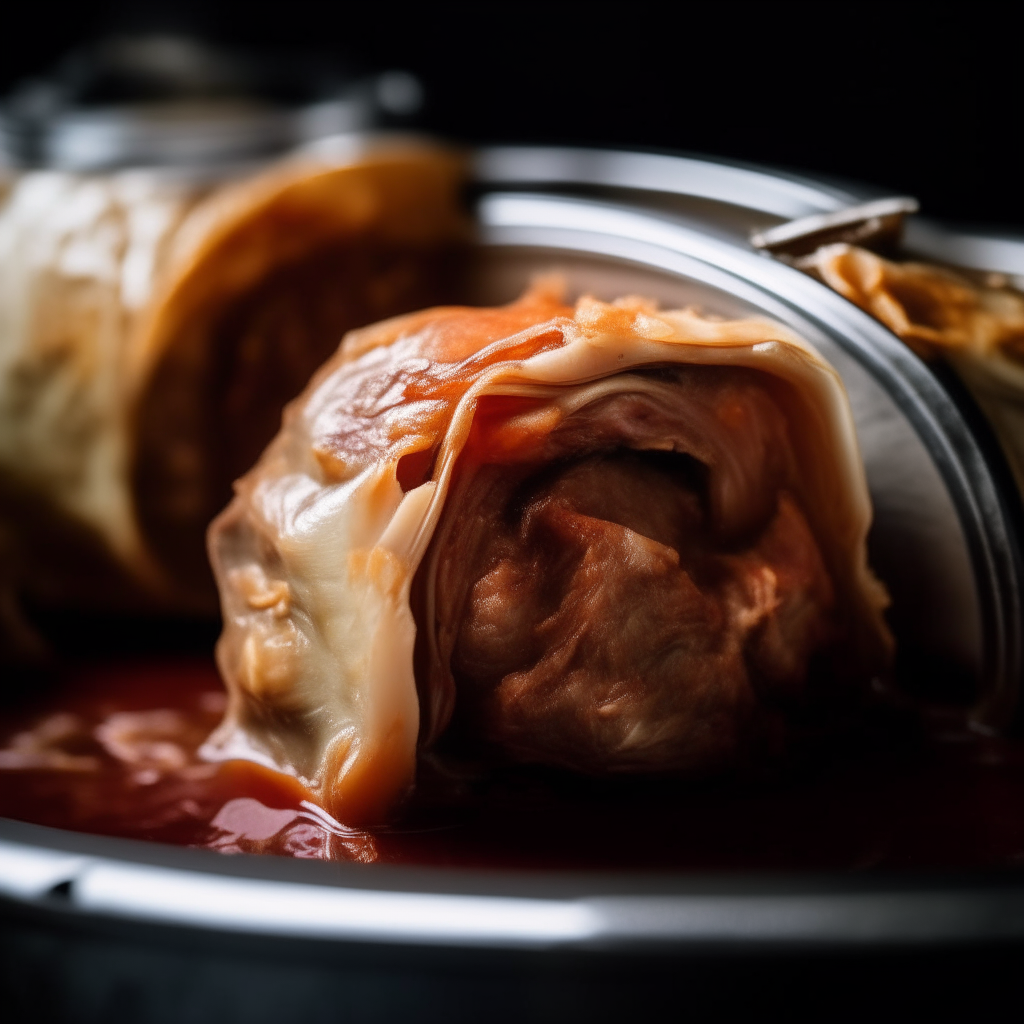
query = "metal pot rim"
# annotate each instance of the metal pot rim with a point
(95, 876)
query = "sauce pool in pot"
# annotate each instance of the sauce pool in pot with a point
(111, 750)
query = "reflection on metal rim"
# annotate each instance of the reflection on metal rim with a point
(785, 196)
(425, 908)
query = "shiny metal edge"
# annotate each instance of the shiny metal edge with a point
(886, 210)
(998, 254)
(239, 895)
(775, 193)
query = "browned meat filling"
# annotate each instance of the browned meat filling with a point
(650, 599)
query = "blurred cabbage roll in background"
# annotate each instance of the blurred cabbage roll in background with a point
(152, 327)
(941, 313)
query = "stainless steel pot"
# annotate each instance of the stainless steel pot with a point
(946, 540)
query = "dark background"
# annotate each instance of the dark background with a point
(928, 101)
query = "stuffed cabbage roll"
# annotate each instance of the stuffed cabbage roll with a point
(151, 329)
(605, 538)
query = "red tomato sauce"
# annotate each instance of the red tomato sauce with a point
(112, 750)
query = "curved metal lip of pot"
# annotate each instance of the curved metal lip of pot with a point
(777, 194)
(89, 878)
(86, 878)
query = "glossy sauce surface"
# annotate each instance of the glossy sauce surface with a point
(111, 750)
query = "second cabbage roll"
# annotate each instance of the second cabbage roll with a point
(940, 313)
